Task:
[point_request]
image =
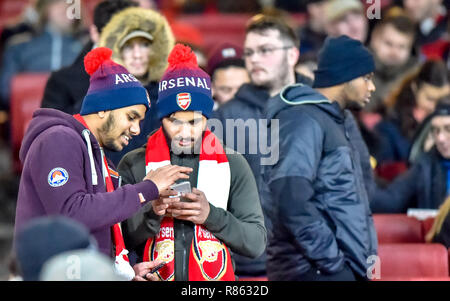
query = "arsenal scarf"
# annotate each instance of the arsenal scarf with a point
(122, 263)
(209, 258)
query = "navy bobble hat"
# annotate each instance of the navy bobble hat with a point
(111, 86)
(44, 237)
(341, 60)
(184, 86)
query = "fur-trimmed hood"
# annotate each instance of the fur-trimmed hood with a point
(135, 18)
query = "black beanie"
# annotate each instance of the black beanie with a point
(442, 107)
(341, 60)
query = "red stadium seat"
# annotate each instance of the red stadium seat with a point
(27, 90)
(87, 11)
(413, 261)
(218, 28)
(426, 225)
(398, 228)
(11, 9)
(390, 170)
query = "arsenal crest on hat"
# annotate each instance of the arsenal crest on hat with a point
(184, 100)
(184, 86)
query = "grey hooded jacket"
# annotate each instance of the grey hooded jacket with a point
(317, 201)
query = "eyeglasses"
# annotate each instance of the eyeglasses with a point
(263, 51)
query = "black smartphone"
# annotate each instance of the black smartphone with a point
(157, 268)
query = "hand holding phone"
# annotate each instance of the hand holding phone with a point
(156, 269)
(183, 187)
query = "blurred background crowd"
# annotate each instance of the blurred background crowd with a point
(43, 42)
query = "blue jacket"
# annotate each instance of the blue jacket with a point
(423, 186)
(249, 105)
(317, 201)
(396, 146)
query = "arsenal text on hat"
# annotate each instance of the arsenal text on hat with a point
(124, 78)
(183, 82)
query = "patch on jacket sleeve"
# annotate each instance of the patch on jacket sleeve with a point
(57, 177)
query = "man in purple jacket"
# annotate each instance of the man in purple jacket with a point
(65, 171)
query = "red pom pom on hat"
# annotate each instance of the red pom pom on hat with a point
(95, 58)
(182, 56)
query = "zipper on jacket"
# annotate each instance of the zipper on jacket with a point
(183, 237)
(360, 183)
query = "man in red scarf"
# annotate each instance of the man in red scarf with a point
(193, 233)
(66, 172)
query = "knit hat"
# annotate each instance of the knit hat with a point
(44, 237)
(442, 107)
(184, 86)
(340, 60)
(111, 85)
(93, 266)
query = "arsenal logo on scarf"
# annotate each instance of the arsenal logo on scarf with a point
(162, 247)
(209, 258)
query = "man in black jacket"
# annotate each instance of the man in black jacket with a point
(318, 204)
(270, 54)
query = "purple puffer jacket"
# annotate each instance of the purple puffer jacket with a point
(57, 178)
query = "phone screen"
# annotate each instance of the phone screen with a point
(183, 187)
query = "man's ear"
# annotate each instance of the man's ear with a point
(204, 122)
(101, 114)
(293, 55)
(94, 34)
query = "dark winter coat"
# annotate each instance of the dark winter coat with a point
(248, 105)
(424, 186)
(318, 203)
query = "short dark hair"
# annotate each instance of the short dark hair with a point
(400, 22)
(262, 22)
(104, 11)
(238, 62)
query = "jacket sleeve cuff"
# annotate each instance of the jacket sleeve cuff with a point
(213, 221)
(148, 189)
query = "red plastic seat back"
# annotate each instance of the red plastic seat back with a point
(413, 260)
(27, 90)
(11, 9)
(389, 171)
(398, 228)
(217, 28)
(427, 224)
